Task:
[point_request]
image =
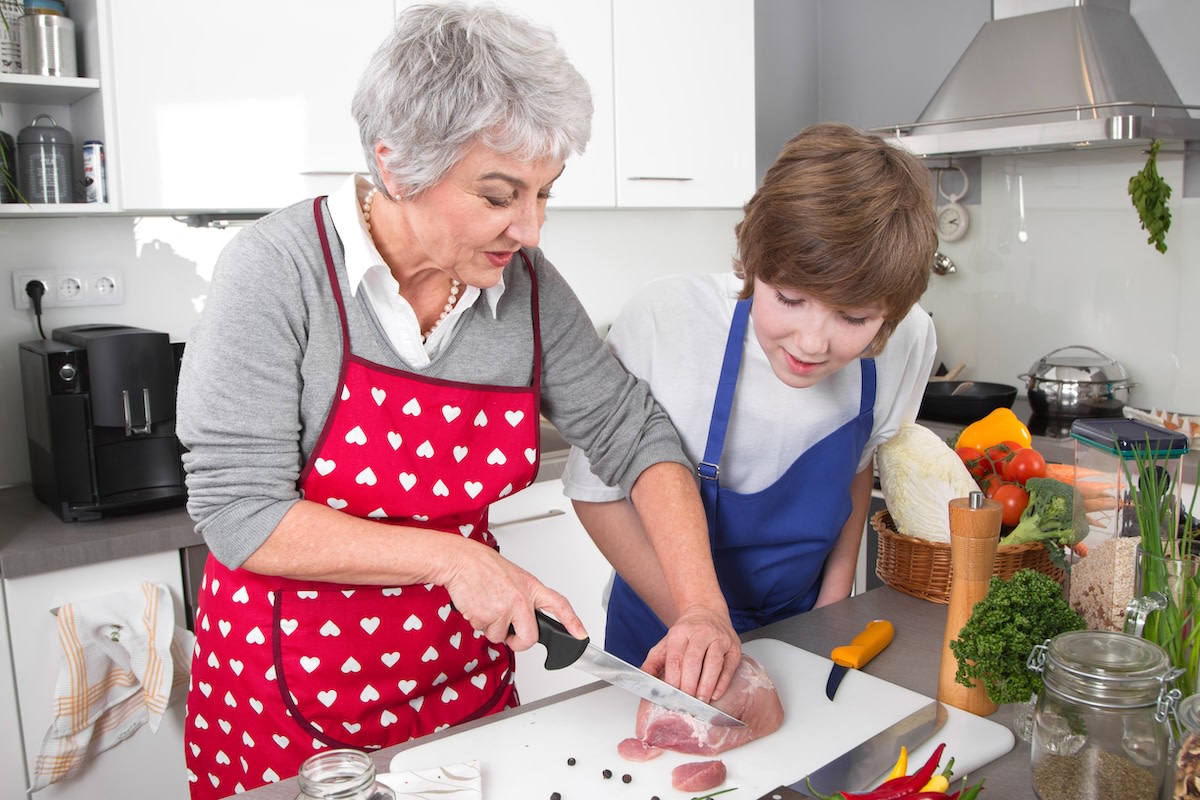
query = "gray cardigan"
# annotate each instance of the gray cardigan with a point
(260, 370)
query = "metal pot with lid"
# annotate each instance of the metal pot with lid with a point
(1084, 383)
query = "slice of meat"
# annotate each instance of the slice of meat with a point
(698, 776)
(751, 697)
(636, 750)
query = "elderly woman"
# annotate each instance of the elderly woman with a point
(366, 378)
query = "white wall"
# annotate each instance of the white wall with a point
(166, 267)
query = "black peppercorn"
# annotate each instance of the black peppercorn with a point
(626, 778)
(571, 761)
(555, 796)
(607, 774)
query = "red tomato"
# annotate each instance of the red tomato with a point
(998, 454)
(1014, 499)
(976, 462)
(1024, 464)
(990, 483)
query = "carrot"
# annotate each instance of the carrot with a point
(1061, 472)
(1105, 503)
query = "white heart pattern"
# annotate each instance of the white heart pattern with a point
(530, 454)
(395, 440)
(412, 408)
(479, 680)
(378, 395)
(327, 697)
(330, 628)
(460, 453)
(241, 596)
(366, 477)
(456, 640)
(255, 636)
(236, 666)
(352, 727)
(449, 695)
(345, 393)
(309, 663)
(369, 694)
(336, 503)
(369, 624)
(444, 611)
(473, 488)
(413, 623)
(388, 718)
(451, 412)
(496, 458)
(390, 659)
(514, 417)
(408, 480)
(324, 466)
(407, 686)
(430, 654)
(225, 626)
(425, 450)
(440, 490)
(481, 420)
(351, 665)
(356, 436)
(281, 740)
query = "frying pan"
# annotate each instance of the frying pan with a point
(973, 400)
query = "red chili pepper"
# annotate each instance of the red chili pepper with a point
(931, 796)
(897, 788)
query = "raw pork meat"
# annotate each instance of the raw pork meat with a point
(751, 697)
(698, 776)
(637, 750)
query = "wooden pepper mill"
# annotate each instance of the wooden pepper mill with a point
(974, 532)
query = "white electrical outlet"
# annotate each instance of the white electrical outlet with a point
(68, 288)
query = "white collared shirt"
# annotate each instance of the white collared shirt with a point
(366, 270)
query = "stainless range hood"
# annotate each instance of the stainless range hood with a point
(1068, 78)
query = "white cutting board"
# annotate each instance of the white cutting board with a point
(524, 757)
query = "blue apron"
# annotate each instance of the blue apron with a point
(769, 547)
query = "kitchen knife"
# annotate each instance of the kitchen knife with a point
(861, 767)
(865, 646)
(563, 649)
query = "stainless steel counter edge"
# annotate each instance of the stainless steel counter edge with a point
(911, 661)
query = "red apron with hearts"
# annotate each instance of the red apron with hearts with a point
(285, 668)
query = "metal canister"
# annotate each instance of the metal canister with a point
(95, 185)
(48, 45)
(44, 162)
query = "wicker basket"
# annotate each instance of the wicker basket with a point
(921, 568)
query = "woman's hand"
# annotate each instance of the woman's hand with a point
(498, 598)
(699, 654)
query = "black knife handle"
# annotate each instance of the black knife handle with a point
(562, 649)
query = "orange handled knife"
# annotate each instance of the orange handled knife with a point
(865, 646)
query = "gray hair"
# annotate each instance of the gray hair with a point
(450, 75)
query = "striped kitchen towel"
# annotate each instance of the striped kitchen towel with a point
(122, 656)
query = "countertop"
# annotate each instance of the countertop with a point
(33, 540)
(910, 661)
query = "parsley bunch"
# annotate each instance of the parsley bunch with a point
(1013, 617)
(1149, 193)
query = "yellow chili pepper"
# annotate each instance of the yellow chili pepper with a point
(1001, 425)
(938, 783)
(901, 767)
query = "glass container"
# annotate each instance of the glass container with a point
(1101, 726)
(1187, 759)
(341, 774)
(1107, 452)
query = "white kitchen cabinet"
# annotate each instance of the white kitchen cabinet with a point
(79, 105)
(685, 119)
(228, 105)
(537, 529)
(12, 761)
(146, 766)
(672, 84)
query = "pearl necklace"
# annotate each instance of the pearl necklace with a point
(455, 285)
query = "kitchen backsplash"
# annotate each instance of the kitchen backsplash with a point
(1084, 276)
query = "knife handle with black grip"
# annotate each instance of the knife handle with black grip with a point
(865, 646)
(562, 649)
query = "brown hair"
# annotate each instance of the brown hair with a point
(846, 217)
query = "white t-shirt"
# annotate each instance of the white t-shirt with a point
(672, 334)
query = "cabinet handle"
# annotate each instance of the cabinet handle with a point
(554, 512)
(657, 178)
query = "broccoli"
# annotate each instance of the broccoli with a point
(1014, 616)
(1051, 516)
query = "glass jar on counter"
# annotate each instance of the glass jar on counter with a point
(1102, 725)
(341, 774)
(1187, 759)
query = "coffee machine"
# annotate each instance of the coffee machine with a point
(100, 420)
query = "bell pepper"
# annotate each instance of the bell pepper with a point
(1002, 425)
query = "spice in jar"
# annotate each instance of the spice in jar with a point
(1187, 761)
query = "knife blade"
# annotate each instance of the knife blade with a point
(563, 649)
(869, 643)
(863, 765)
